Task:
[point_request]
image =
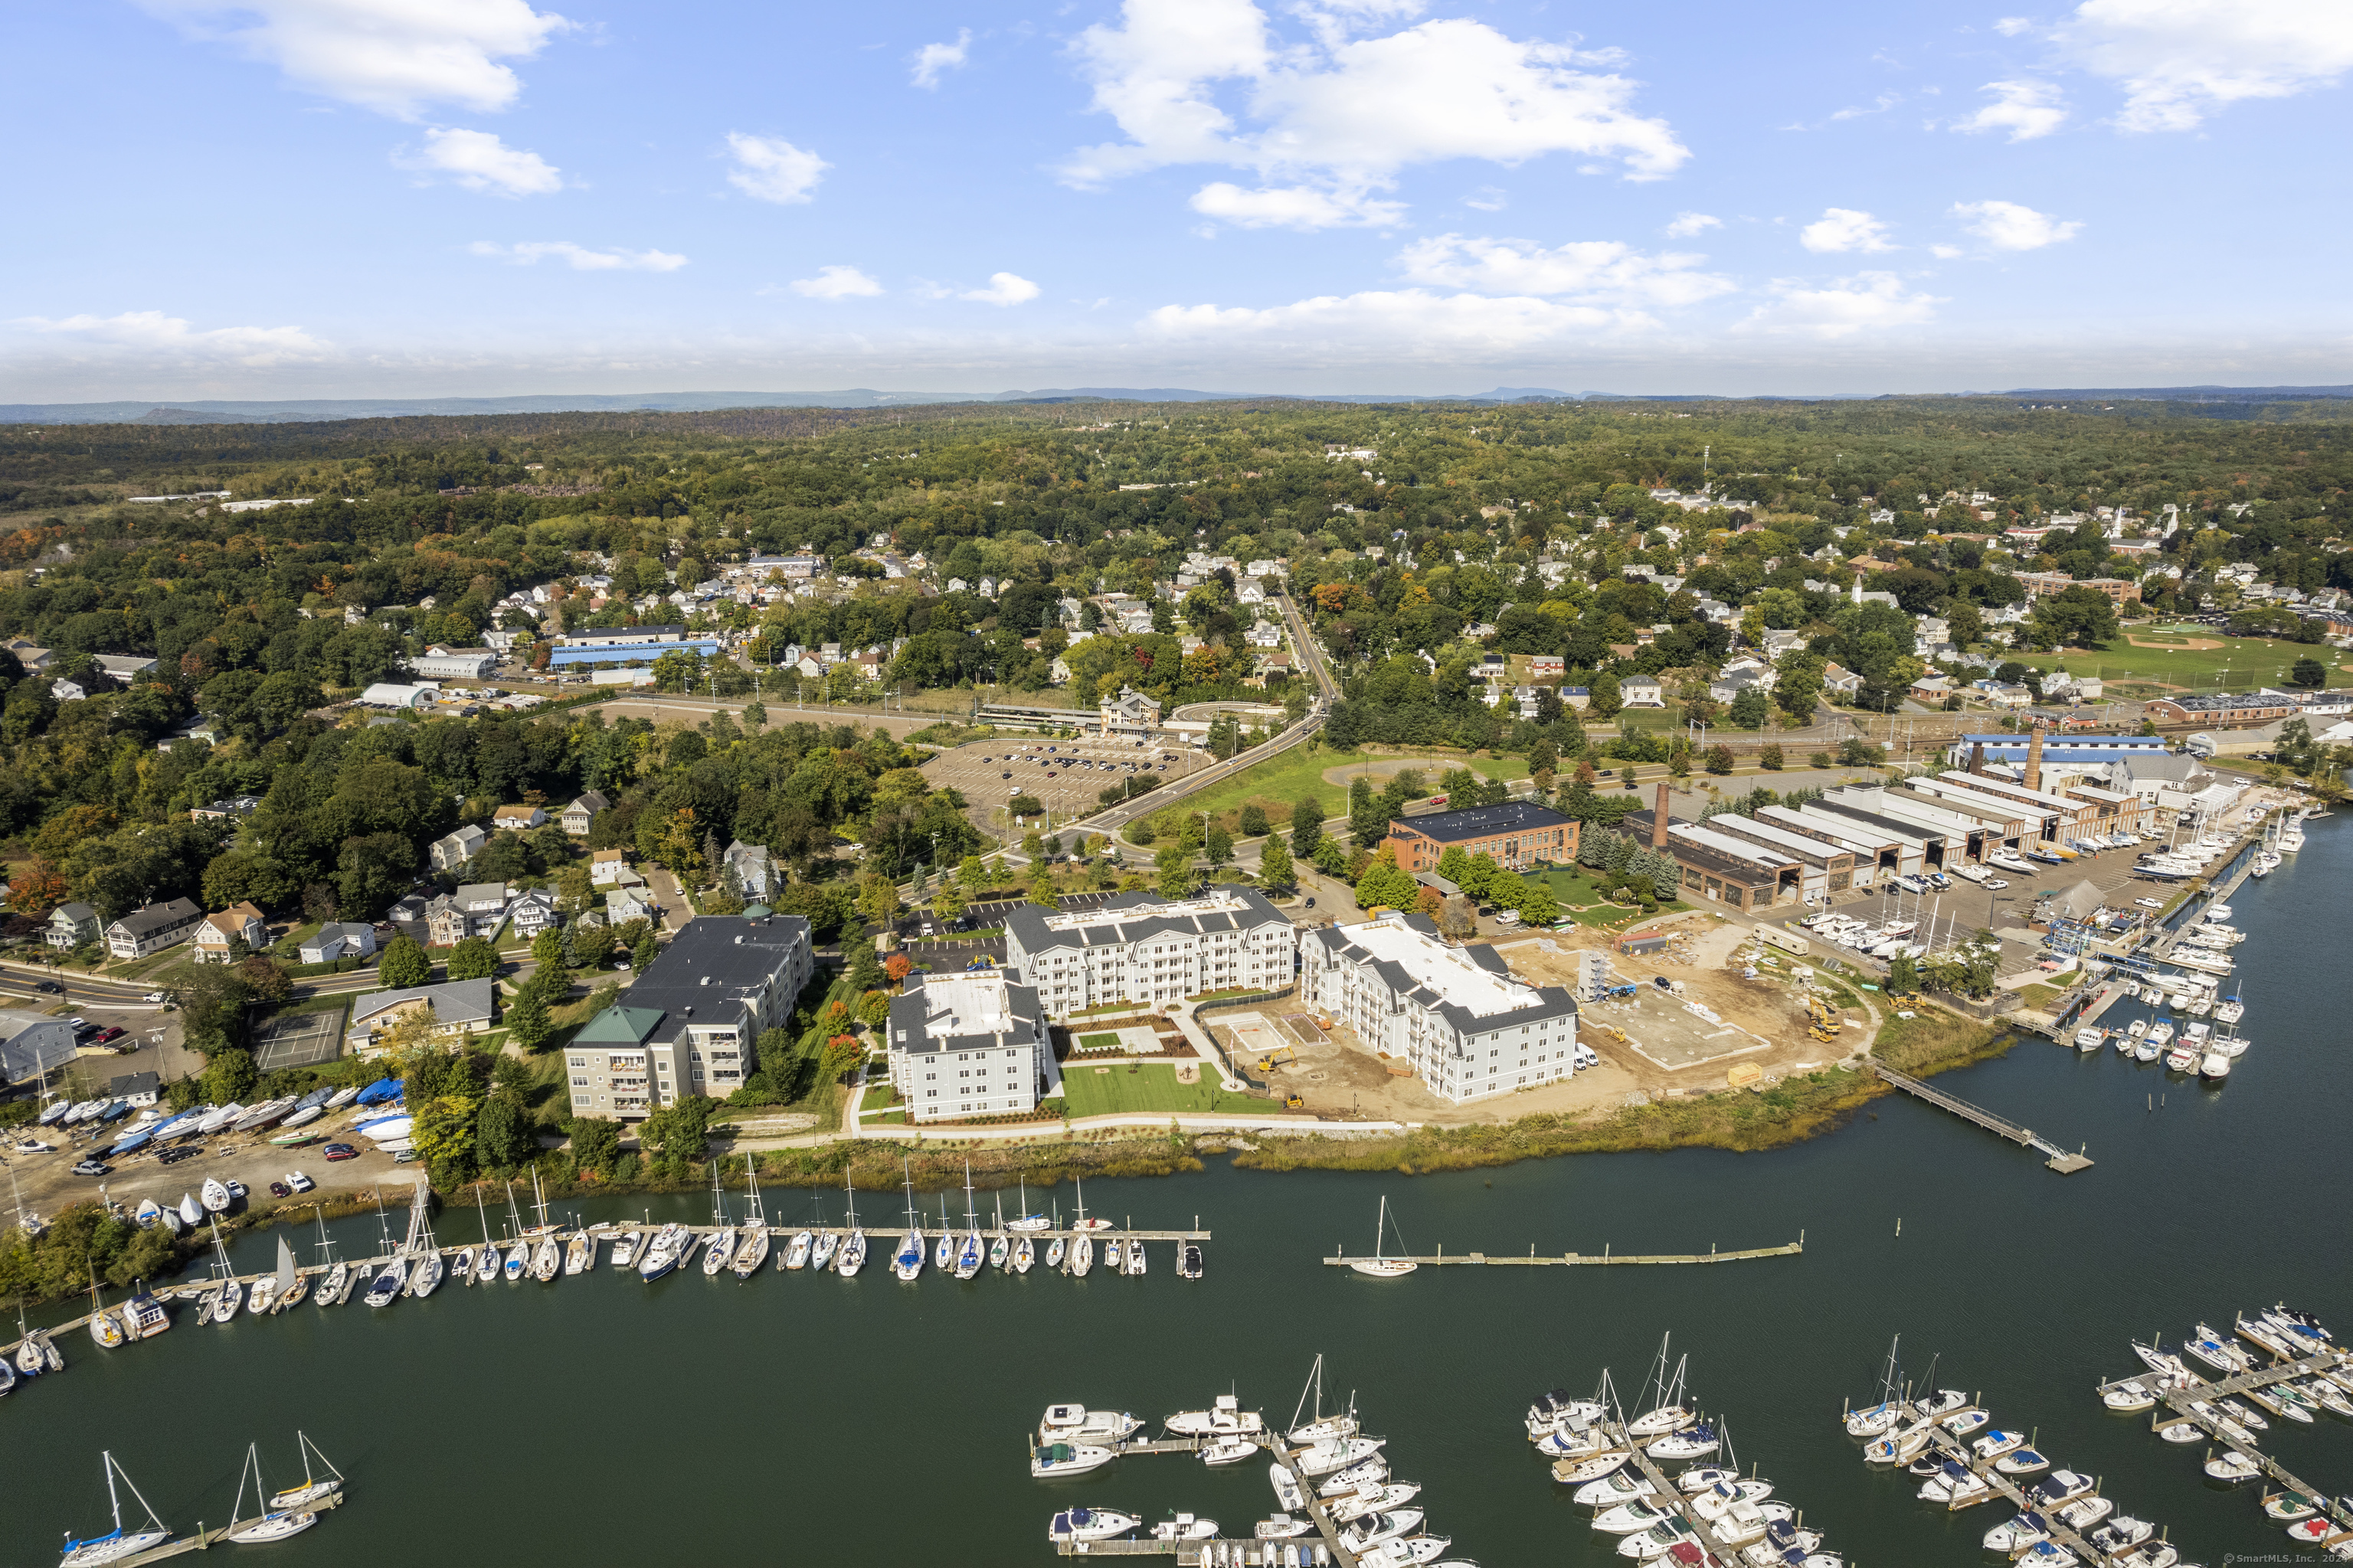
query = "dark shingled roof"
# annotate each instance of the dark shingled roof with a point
(1027, 925)
(1480, 822)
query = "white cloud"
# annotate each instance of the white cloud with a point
(159, 336)
(1004, 289)
(2024, 109)
(392, 55)
(1843, 229)
(1946, 252)
(479, 161)
(1487, 198)
(933, 60)
(1860, 303)
(770, 168)
(1687, 224)
(835, 283)
(1601, 270)
(1411, 321)
(2011, 26)
(579, 257)
(1294, 206)
(1347, 113)
(2180, 60)
(2006, 225)
(1880, 105)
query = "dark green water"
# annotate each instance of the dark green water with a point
(600, 1420)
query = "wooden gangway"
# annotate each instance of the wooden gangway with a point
(1578, 1259)
(1223, 1551)
(204, 1539)
(2059, 1160)
(1663, 1491)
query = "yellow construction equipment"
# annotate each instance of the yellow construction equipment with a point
(1294, 1102)
(1276, 1058)
(1824, 1026)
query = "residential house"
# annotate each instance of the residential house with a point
(531, 911)
(455, 849)
(452, 1011)
(1641, 691)
(217, 935)
(33, 1045)
(582, 813)
(477, 909)
(71, 925)
(136, 1089)
(754, 873)
(1932, 689)
(339, 939)
(608, 866)
(153, 928)
(623, 905)
(1059, 672)
(518, 819)
(1265, 634)
(233, 806)
(1840, 681)
(1543, 664)
(1728, 685)
(2002, 694)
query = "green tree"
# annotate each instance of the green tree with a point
(971, 875)
(404, 964)
(2309, 672)
(1719, 759)
(1307, 826)
(442, 1127)
(595, 1142)
(1537, 906)
(502, 1133)
(1770, 758)
(229, 1076)
(1385, 886)
(643, 954)
(547, 949)
(1219, 845)
(1798, 686)
(1274, 868)
(1903, 976)
(473, 959)
(1174, 866)
(1750, 709)
(1368, 824)
(1254, 820)
(527, 1019)
(1604, 698)
(1042, 890)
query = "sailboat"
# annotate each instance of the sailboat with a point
(970, 1252)
(852, 1255)
(1082, 1245)
(1028, 1219)
(519, 1254)
(944, 1250)
(231, 1294)
(907, 1262)
(103, 1326)
(1380, 1266)
(336, 1285)
(314, 1489)
(752, 1249)
(1000, 1250)
(118, 1544)
(547, 1257)
(722, 1239)
(1875, 1419)
(273, 1525)
(426, 1278)
(34, 1351)
(1082, 1222)
(1318, 1427)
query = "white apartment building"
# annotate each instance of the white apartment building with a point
(1149, 950)
(969, 1044)
(1469, 1028)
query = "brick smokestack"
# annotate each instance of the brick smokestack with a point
(1976, 757)
(1659, 820)
(2035, 760)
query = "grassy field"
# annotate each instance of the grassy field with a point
(1098, 1042)
(1298, 773)
(1572, 889)
(2247, 661)
(1152, 1088)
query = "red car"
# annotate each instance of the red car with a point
(341, 1151)
(106, 1034)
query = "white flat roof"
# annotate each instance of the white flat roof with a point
(1220, 902)
(1447, 971)
(966, 1004)
(1734, 825)
(1725, 844)
(2002, 787)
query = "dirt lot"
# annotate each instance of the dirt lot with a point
(1067, 775)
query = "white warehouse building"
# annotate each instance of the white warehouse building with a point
(1469, 1028)
(1151, 951)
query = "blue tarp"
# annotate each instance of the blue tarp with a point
(383, 1089)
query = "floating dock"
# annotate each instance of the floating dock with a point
(2060, 1160)
(1578, 1259)
(206, 1539)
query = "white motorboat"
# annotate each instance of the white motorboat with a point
(119, 1542)
(1224, 1418)
(1227, 1450)
(1077, 1424)
(1355, 1478)
(1718, 1500)
(1956, 1486)
(1995, 1444)
(1658, 1540)
(2161, 1360)
(2091, 1037)
(796, 1251)
(461, 1267)
(2216, 1351)
(1577, 1472)
(1380, 1266)
(579, 1253)
(263, 1296)
(1406, 1551)
(2018, 1532)
(1186, 1527)
(2059, 1487)
(1372, 1500)
(2022, 1462)
(2230, 1465)
(2048, 1554)
(1367, 1533)
(192, 1214)
(661, 1252)
(2121, 1534)
(1966, 1422)
(1288, 1492)
(1338, 1454)
(2085, 1513)
(1702, 1478)
(1067, 1459)
(1280, 1527)
(1624, 1486)
(2214, 1067)
(389, 1282)
(1090, 1524)
(213, 1121)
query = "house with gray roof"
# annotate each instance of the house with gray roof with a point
(339, 939)
(454, 1009)
(969, 1044)
(1469, 1027)
(1143, 949)
(153, 928)
(71, 925)
(33, 1044)
(754, 871)
(450, 852)
(581, 814)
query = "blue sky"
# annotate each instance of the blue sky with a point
(420, 197)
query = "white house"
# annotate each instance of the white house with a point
(218, 934)
(456, 848)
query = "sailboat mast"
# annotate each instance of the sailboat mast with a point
(114, 1501)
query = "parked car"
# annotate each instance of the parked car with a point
(300, 1182)
(340, 1151)
(154, 996)
(280, 1189)
(113, 1033)
(93, 1167)
(48, 986)
(1996, 883)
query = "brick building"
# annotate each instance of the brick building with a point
(2043, 585)
(1516, 833)
(2223, 710)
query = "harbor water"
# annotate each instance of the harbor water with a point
(811, 1418)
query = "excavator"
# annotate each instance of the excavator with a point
(1824, 1026)
(1281, 1056)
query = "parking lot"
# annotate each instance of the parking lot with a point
(1067, 775)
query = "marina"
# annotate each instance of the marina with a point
(2060, 1160)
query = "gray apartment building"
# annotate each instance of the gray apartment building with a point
(1149, 950)
(1467, 1025)
(969, 1044)
(692, 1023)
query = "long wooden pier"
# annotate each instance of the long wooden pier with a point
(1952, 1448)
(1665, 1493)
(2061, 1161)
(1577, 1259)
(1228, 1551)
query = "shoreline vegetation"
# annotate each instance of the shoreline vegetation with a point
(1778, 1115)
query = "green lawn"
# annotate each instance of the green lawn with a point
(1571, 888)
(1098, 1042)
(1148, 1088)
(2250, 661)
(1298, 773)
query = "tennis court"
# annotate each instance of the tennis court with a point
(300, 1039)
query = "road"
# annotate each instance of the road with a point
(657, 708)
